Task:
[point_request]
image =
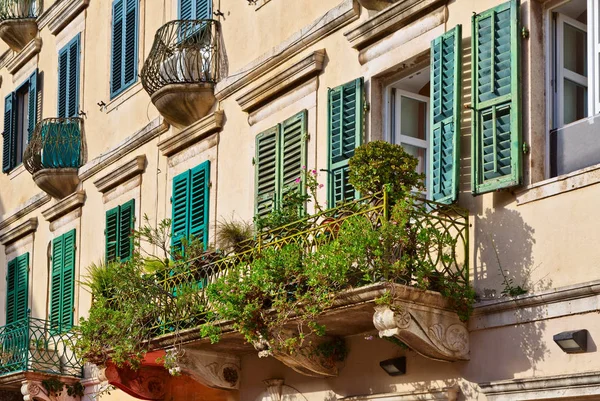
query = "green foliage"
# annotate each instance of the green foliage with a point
(76, 390)
(235, 236)
(54, 387)
(378, 163)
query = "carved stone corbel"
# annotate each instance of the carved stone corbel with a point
(33, 390)
(432, 332)
(278, 391)
(211, 369)
(147, 383)
(305, 360)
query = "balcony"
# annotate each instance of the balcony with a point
(18, 24)
(181, 70)
(54, 155)
(33, 348)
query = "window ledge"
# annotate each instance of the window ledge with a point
(132, 168)
(558, 185)
(124, 96)
(30, 50)
(64, 206)
(20, 231)
(17, 171)
(200, 130)
(68, 11)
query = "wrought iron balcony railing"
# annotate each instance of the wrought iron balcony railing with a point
(448, 253)
(19, 9)
(184, 52)
(34, 345)
(56, 143)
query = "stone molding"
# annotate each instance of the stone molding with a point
(30, 50)
(132, 168)
(66, 13)
(129, 144)
(339, 16)
(27, 227)
(24, 209)
(388, 21)
(288, 79)
(6, 57)
(211, 369)
(434, 333)
(192, 134)
(535, 388)
(64, 206)
(147, 383)
(447, 394)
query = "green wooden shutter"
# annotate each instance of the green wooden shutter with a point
(345, 129)
(126, 225)
(179, 202)
(9, 141)
(11, 300)
(292, 153)
(22, 287)
(116, 69)
(68, 281)
(111, 233)
(203, 9)
(63, 78)
(445, 116)
(58, 249)
(131, 46)
(33, 104)
(199, 201)
(73, 78)
(266, 178)
(496, 139)
(185, 9)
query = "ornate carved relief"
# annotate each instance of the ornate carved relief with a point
(33, 390)
(147, 383)
(434, 333)
(211, 369)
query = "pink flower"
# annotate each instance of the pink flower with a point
(314, 172)
(321, 185)
(368, 338)
(303, 167)
(298, 180)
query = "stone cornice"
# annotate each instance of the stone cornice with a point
(388, 21)
(135, 166)
(287, 79)
(448, 394)
(341, 15)
(146, 134)
(64, 206)
(67, 11)
(192, 134)
(6, 57)
(29, 206)
(30, 50)
(27, 227)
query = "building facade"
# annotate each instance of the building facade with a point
(199, 110)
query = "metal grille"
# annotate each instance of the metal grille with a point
(184, 52)
(31, 345)
(56, 143)
(19, 9)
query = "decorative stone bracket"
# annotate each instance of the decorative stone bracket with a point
(305, 360)
(147, 383)
(211, 369)
(33, 390)
(432, 332)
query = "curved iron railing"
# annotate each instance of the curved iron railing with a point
(34, 345)
(184, 51)
(20, 9)
(56, 143)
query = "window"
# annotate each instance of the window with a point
(68, 79)
(345, 129)
(190, 200)
(119, 223)
(124, 48)
(17, 289)
(194, 9)
(62, 288)
(280, 155)
(20, 117)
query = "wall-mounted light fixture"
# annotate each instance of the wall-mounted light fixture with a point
(572, 342)
(395, 366)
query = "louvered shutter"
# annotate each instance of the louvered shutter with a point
(203, 9)
(266, 178)
(11, 300)
(179, 202)
(496, 125)
(445, 116)
(111, 233)
(199, 201)
(68, 281)
(63, 78)
(131, 38)
(345, 128)
(292, 153)
(116, 73)
(186, 8)
(58, 249)
(9, 141)
(73, 78)
(126, 224)
(33, 104)
(22, 287)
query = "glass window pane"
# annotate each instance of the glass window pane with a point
(419, 153)
(413, 118)
(575, 102)
(575, 50)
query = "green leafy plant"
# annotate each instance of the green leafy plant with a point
(235, 236)
(510, 289)
(380, 163)
(53, 386)
(76, 390)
